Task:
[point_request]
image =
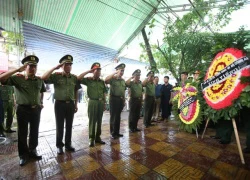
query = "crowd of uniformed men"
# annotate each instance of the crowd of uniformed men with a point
(29, 90)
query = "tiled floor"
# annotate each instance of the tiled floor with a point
(158, 152)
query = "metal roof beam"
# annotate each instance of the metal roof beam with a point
(144, 22)
(188, 7)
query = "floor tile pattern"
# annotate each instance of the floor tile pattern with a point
(158, 152)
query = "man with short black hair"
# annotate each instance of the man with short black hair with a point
(184, 78)
(166, 91)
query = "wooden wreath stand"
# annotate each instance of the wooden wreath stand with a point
(236, 137)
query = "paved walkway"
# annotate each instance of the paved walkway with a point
(158, 152)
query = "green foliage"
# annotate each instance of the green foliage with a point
(190, 44)
(12, 42)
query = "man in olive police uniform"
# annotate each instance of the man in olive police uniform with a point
(149, 98)
(117, 99)
(96, 90)
(66, 86)
(135, 100)
(7, 96)
(29, 95)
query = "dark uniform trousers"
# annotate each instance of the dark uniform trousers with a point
(244, 115)
(26, 114)
(134, 113)
(116, 106)
(95, 113)
(8, 109)
(1, 115)
(64, 110)
(148, 109)
(224, 130)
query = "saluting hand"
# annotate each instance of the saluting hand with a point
(22, 68)
(59, 65)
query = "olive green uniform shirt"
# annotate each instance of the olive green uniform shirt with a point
(28, 90)
(96, 88)
(117, 87)
(135, 89)
(65, 86)
(6, 93)
(150, 89)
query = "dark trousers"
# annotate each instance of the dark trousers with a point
(244, 115)
(95, 113)
(148, 109)
(8, 111)
(134, 113)
(166, 108)
(116, 106)
(224, 130)
(1, 116)
(64, 111)
(27, 116)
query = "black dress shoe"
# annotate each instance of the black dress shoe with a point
(10, 131)
(215, 137)
(137, 129)
(60, 150)
(224, 142)
(91, 144)
(22, 161)
(120, 135)
(100, 142)
(246, 150)
(33, 154)
(69, 148)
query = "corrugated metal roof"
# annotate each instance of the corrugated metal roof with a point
(9, 15)
(50, 46)
(108, 23)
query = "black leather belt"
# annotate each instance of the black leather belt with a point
(7, 100)
(62, 101)
(122, 97)
(136, 98)
(97, 99)
(28, 106)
